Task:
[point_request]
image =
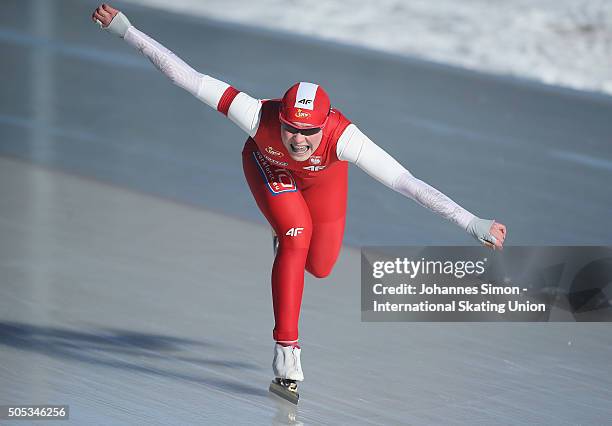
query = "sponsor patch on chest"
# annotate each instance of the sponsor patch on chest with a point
(274, 152)
(278, 163)
(315, 159)
(314, 168)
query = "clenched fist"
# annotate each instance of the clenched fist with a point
(104, 14)
(111, 20)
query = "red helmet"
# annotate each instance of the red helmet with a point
(305, 106)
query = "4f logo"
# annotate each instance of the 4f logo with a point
(294, 232)
(305, 101)
(314, 168)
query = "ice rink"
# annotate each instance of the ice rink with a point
(134, 264)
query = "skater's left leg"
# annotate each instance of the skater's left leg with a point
(327, 204)
(325, 247)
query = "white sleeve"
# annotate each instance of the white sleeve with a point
(244, 110)
(357, 148)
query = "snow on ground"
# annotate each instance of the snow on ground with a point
(560, 42)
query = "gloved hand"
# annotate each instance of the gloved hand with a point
(490, 233)
(111, 20)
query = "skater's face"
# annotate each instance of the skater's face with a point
(300, 143)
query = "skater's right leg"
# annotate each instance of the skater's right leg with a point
(279, 200)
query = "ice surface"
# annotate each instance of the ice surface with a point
(133, 309)
(132, 290)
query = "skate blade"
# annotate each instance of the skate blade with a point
(284, 393)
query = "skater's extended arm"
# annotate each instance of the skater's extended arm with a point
(357, 148)
(238, 106)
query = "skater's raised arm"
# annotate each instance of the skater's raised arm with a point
(357, 148)
(239, 107)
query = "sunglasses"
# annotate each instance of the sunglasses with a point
(305, 132)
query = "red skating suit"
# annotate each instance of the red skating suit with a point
(305, 203)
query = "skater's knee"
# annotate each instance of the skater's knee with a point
(320, 269)
(320, 263)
